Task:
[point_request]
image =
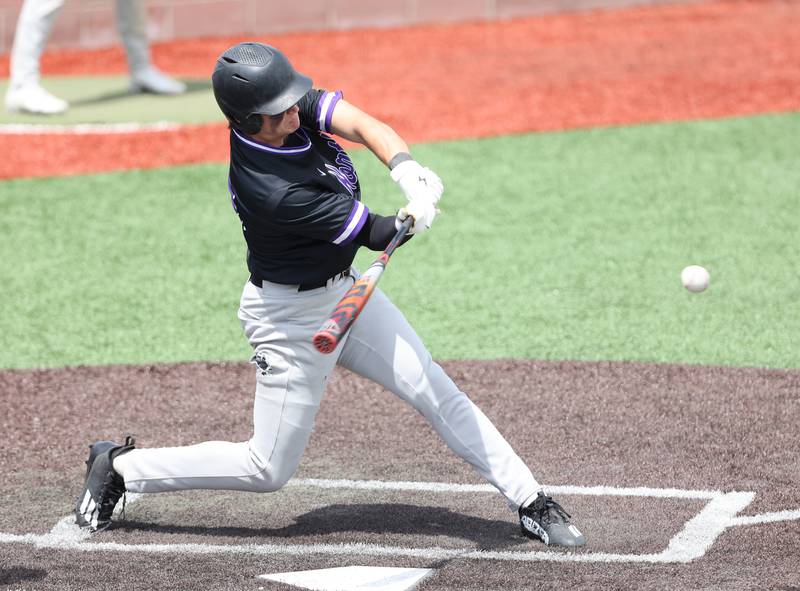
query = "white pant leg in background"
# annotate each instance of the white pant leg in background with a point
(291, 375)
(383, 347)
(36, 19)
(132, 26)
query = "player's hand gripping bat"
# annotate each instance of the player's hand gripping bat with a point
(349, 307)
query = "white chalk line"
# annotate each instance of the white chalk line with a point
(446, 487)
(86, 128)
(433, 553)
(703, 529)
(767, 518)
(65, 533)
(692, 542)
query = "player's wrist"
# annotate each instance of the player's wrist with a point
(404, 169)
(398, 159)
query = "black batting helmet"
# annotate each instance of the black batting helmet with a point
(251, 79)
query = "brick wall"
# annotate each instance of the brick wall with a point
(90, 23)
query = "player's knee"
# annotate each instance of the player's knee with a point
(270, 476)
(266, 485)
(267, 481)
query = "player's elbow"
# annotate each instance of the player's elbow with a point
(373, 133)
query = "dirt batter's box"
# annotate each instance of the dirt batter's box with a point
(718, 513)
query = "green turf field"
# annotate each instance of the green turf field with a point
(550, 246)
(105, 99)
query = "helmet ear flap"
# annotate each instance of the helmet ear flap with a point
(251, 124)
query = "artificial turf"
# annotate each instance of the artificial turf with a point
(565, 245)
(105, 99)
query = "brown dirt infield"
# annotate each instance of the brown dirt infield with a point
(585, 69)
(617, 424)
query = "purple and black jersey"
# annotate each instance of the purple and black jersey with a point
(299, 204)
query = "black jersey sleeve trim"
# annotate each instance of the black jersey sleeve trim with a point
(316, 109)
(325, 109)
(352, 226)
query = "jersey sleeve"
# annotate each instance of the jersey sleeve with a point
(378, 232)
(332, 217)
(316, 109)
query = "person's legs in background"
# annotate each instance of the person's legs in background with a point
(25, 92)
(132, 27)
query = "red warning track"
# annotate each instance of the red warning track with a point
(652, 63)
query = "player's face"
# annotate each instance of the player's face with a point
(284, 123)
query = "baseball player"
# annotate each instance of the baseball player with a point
(298, 197)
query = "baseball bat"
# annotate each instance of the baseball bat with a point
(349, 307)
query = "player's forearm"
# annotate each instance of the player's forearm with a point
(382, 140)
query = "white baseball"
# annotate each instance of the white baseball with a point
(695, 278)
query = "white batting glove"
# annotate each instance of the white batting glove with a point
(422, 210)
(417, 181)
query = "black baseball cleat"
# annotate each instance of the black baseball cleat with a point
(103, 486)
(546, 520)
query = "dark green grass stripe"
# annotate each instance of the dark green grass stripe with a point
(551, 246)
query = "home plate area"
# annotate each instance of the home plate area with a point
(700, 487)
(434, 522)
(380, 578)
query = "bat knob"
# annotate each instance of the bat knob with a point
(324, 342)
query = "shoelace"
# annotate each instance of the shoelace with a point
(112, 494)
(116, 485)
(122, 511)
(549, 505)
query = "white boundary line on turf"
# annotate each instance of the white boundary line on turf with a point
(692, 542)
(86, 128)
